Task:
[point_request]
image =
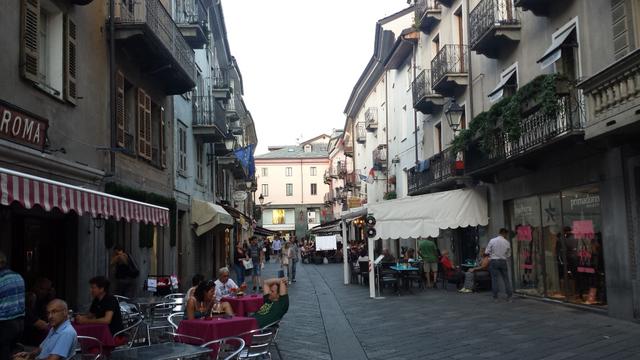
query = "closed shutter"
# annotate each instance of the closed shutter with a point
(162, 145)
(120, 113)
(623, 27)
(70, 57)
(29, 39)
(144, 125)
(148, 127)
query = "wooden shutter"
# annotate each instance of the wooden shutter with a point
(120, 112)
(144, 125)
(29, 38)
(147, 124)
(162, 144)
(70, 59)
(623, 27)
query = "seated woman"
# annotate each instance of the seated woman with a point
(276, 302)
(451, 273)
(409, 255)
(469, 276)
(203, 302)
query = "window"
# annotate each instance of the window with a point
(307, 148)
(314, 189)
(265, 172)
(182, 150)
(289, 189)
(151, 130)
(48, 49)
(278, 216)
(288, 171)
(313, 171)
(265, 190)
(199, 163)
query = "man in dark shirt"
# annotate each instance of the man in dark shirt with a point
(276, 302)
(104, 308)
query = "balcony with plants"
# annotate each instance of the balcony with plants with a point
(449, 70)
(192, 19)
(495, 26)
(427, 14)
(544, 114)
(425, 99)
(149, 34)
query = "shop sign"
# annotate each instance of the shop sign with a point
(19, 126)
(589, 202)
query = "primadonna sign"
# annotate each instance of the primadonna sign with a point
(19, 126)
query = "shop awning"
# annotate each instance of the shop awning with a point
(354, 213)
(264, 232)
(29, 190)
(280, 227)
(207, 215)
(331, 227)
(558, 39)
(425, 215)
(509, 75)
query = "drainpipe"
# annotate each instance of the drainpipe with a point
(386, 120)
(112, 88)
(470, 86)
(415, 112)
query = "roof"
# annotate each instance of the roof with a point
(315, 138)
(293, 152)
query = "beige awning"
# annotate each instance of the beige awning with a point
(207, 215)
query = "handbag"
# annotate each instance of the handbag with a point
(248, 264)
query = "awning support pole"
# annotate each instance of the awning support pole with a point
(345, 253)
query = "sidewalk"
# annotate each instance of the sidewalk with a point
(328, 320)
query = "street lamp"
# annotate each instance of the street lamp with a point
(261, 199)
(453, 112)
(229, 141)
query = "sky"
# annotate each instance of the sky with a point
(300, 60)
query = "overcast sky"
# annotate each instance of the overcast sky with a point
(300, 59)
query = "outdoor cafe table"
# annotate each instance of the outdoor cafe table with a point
(244, 305)
(215, 328)
(164, 351)
(98, 331)
(400, 269)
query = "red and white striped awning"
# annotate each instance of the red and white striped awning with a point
(29, 190)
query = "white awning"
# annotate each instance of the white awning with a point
(353, 213)
(557, 40)
(425, 215)
(207, 215)
(279, 227)
(505, 77)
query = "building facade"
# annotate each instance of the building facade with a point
(291, 186)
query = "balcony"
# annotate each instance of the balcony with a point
(494, 26)
(537, 7)
(380, 157)
(192, 19)
(220, 83)
(427, 14)
(449, 70)
(424, 99)
(347, 146)
(361, 133)
(326, 178)
(233, 108)
(209, 122)
(341, 170)
(329, 198)
(613, 98)
(441, 171)
(371, 119)
(352, 180)
(538, 131)
(146, 30)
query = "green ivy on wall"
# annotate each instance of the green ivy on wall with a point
(145, 231)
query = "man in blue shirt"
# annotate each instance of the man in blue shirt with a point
(11, 308)
(62, 340)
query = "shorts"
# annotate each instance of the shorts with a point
(256, 269)
(430, 267)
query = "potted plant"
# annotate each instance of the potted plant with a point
(389, 195)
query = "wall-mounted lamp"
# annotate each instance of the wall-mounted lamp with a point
(453, 112)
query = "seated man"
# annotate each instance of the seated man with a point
(276, 302)
(387, 257)
(104, 308)
(469, 276)
(451, 273)
(224, 284)
(61, 341)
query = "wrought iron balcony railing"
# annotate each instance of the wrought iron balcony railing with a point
(352, 179)
(220, 78)
(380, 157)
(424, 98)
(208, 112)
(492, 23)
(153, 15)
(427, 13)
(361, 132)
(442, 167)
(538, 129)
(371, 118)
(191, 12)
(451, 59)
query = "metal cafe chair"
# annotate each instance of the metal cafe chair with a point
(89, 348)
(185, 339)
(127, 336)
(274, 327)
(175, 318)
(159, 318)
(259, 347)
(228, 348)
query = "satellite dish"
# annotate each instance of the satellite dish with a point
(239, 195)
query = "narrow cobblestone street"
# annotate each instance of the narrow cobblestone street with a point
(327, 320)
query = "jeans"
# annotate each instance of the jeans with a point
(498, 268)
(10, 334)
(239, 269)
(293, 269)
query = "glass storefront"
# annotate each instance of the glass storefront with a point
(557, 246)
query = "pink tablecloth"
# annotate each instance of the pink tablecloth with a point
(217, 328)
(245, 304)
(98, 331)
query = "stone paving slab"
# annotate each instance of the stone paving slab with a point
(328, 320)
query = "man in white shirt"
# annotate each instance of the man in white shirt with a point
(224, 284)
(499, 250)
(277, 245)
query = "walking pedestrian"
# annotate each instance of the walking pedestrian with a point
(12, 296)
(499, 250)
(285, 261)
(257, 258)
(277, 246)
(238, 265)
(295, 257)
(428, 251)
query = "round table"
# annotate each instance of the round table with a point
(245, 304)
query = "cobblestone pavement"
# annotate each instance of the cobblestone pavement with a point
(328, 320)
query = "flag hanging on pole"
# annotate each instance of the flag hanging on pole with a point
(370, 178)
